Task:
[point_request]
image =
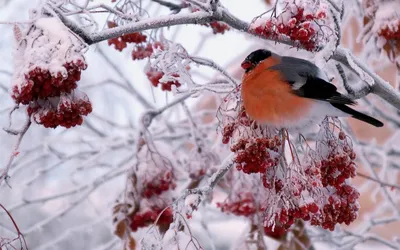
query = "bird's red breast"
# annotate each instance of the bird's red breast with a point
(268, 98)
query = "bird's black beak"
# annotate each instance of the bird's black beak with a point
(247, 65)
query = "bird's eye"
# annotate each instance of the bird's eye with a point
(246, 65)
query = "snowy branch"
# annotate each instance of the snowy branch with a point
(4, 173)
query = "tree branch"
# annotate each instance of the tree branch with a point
(152, 23)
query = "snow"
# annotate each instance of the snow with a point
(48, 45)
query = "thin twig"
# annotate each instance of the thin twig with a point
(381, 183)
(19, 234)
(4, 174)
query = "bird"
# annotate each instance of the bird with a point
(292, 93)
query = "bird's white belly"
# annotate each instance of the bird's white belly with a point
(310, 119)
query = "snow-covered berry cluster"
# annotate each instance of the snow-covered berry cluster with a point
(66, 110)
(155, 181)
(255, 151)
(384, 17)
(121, 42)
(149, 190)
(155, 77)
(141, 49)
(49, 61)
(299, 21)
(240, 204)
(160, 183)
(149, 217)
(254, 155)
(216, 26)
(160, 179)
(141, 52)
(40, 83)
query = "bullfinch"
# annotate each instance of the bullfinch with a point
(292, 93)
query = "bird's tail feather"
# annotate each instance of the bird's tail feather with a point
(358, 115)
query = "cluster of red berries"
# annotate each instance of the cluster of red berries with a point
(252, 155)
(40, 83)
(154, 76)
(390, 33)
(68, 112)
(141, 52)
(242, 205)
(313, 172)
(121, 42)
(392, 36)
(297, 28)
(287, 218)
(51, 97)
(270, 182)
(242, 120)
(342, 207)
(197, 174)
(218, 27)
(144, 219)
(337, 168)
(227, 132)
(159, 184)
(275, 231)
(339, 165)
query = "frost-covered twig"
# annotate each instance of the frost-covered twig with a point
(4, 172)
(225, 166)
(381, 183)
(149, 115)
(209, 63)
(120, 73)
(385, 192)
(20, 236)
(334, 5)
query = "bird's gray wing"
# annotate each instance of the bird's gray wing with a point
(309, 81)
(297, 70)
